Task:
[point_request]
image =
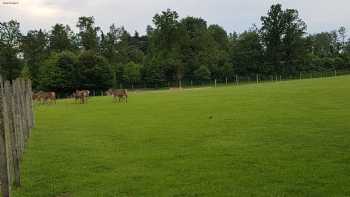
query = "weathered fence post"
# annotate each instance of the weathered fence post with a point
(4, 175)
(13, 153)
(16, 121)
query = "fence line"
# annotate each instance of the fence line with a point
(16, 122)
(235, 79)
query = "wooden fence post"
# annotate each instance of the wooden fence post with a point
(14, 154)
(16, 121)
(4, 171)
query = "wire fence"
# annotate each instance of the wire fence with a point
(16, 122)
(233, 80)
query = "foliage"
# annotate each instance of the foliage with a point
(282, 35)
(62, 38)
(88, 33)
(132, 72)
(247, 54)
(173, 49)
(35, 50)
(202, 73)
(10, 40)
(94, 71)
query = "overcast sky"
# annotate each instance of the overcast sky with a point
(233, 15)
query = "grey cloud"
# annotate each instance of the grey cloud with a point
(233, 15)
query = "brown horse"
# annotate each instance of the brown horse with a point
(44, 97)
(36, 96)
(121, 94)
(81, 95)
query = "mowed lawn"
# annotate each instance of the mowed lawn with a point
(275, 139)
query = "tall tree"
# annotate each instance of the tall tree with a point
(325, 44)
(10, 40)
(88, 33)
(247, 54)
(35, 51)
(342, 38)
(94, 71)
(62, 38)
(59, 72)
(165, 45)
(282, 32)
(196, 44)
(109, 43)
(132, 73)
(219, 51)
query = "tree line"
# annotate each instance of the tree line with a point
(172, 49)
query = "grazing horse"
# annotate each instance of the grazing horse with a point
(44, 97)
(36, 96)
(81, 95)
(121, 94)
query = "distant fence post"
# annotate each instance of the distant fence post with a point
(226, 80)
(237, 80)
(215, 83)
(257, 78)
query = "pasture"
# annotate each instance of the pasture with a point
(288, 138)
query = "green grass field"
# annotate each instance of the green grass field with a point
(274, 139)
